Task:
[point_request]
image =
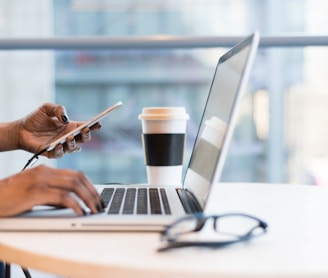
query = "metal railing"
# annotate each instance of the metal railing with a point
(153, 42)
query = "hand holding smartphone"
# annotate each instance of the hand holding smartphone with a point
(77, 130)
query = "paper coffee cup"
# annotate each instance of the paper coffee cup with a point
(163, 138)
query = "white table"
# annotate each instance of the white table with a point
(296, 244)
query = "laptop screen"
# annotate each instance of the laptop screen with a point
(218, 119)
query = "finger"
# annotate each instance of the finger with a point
(85, 135)
(70, 145)
(79, 184)
(61, 114)
(94, 192)
(95, 126)
(60, 198)
(58, 111)
(77, 149)
(57, 152)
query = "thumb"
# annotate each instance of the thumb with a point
(58, 111)
(61, 114)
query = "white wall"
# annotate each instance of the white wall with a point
(26, 77)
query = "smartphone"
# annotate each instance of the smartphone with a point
(88, 123)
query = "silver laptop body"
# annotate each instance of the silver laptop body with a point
(147, 208)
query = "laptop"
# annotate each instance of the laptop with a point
(144, 207)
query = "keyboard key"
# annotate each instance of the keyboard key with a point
(142, 207)
(165, 201)
(106, 195)
(129, 202)
(115, 206)
(155, 205)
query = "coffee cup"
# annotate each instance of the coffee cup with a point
(163, 140)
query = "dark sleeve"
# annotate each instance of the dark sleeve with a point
(2, 270)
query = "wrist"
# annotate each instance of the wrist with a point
(10, 135)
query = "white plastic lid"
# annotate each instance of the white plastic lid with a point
(216, 124)
(163, 113)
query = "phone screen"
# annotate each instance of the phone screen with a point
(88, 123)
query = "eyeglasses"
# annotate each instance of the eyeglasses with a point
(228, 229)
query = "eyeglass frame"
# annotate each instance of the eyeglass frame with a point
(201, 220)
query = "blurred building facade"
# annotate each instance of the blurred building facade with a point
(280, 135)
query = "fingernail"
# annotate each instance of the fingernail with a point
(65, 118)
(72, 144)
(84, 212)
(77, 149)
(100, 209)
(87, 134)
(60, 151)
(96, 126)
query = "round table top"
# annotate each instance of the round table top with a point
(296, 244)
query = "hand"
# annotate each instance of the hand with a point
(45, 124)
(43, 185)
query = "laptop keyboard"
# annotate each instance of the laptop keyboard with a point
(136, 201)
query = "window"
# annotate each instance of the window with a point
(281, 135)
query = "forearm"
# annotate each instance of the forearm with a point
(9, 136)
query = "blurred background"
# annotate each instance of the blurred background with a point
(281, 136)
